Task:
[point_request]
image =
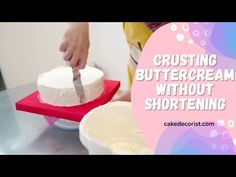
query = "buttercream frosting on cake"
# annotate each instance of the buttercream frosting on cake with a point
(56, 86)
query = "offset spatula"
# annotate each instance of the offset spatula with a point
(78, 84)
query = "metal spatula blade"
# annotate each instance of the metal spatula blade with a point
(78, 85)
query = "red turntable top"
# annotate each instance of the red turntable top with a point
(32, 104)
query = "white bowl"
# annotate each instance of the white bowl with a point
(112, 129)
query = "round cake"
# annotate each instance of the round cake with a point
(56, 87)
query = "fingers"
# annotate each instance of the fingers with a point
(124, 96)
(63, 46)
(75, 45)
(68, 54)
(74, 61)
(79, 61)
(74, 55)
(83, 61)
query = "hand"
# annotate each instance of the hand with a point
(124, 96)
(76, 44)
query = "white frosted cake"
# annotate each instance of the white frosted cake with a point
(56, 86)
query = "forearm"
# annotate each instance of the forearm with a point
(79, 24)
